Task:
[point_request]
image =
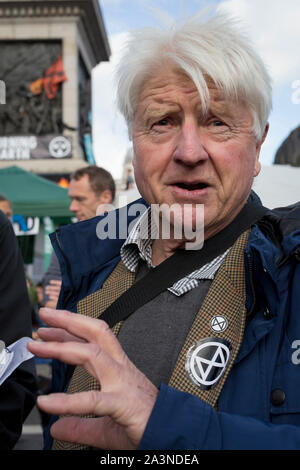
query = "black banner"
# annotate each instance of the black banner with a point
(35, 147)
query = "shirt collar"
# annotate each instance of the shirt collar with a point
(138, 245)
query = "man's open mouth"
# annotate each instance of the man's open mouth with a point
(191, 186)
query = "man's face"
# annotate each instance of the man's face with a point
(184, 156)
(5, 207)
(85, 201)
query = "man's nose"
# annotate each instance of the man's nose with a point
(74, 206)
(190, 149)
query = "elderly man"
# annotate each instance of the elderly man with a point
(203, 348)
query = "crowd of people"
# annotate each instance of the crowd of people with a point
(154, 344)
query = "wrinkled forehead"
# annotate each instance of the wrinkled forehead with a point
(168, 83)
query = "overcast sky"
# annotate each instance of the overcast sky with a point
(273, 26)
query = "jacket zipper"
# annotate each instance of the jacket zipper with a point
(250, 266)
(69, 295)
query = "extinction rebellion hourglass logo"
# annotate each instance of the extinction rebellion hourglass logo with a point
(206, 361)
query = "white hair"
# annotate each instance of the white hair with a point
(215, 48)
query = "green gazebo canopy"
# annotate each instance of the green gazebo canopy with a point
(32, 195)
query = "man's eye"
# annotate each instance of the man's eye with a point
(218, 123)
(162, 122)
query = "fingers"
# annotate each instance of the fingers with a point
(101, 433)
(69, 352)
(35, 336)
(96, 361)
(57, 334)
(50, 288)
(79, 430)
(53, 289)
(61, 403)
(93, 402)
(127, 397)
(55, 282)
(52, 294)
(89, 329)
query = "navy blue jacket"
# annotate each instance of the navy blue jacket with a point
(259, 406)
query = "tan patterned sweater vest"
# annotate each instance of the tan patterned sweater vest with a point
(225, 297)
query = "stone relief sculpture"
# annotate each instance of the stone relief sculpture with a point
(28, 109)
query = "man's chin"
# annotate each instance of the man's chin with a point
(179, 221)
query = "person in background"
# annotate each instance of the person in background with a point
(129, 180)
(33, 299)
(18, 391)
(42, 383)
(91, 189)
(6, 207)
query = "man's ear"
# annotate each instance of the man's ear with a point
(257, 166)
(261, 141)
(105, 197)
(265, 133)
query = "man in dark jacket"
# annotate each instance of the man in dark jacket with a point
(92, 188)
(18, 391)
(203, 352)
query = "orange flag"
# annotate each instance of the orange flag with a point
(36, 87)
(53, 77)
(63, 182)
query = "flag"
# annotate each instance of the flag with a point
(54, 75)
(36, 87)
(64, 183)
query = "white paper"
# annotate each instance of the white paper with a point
(12, 356)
